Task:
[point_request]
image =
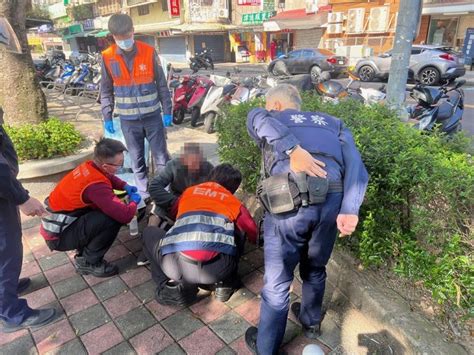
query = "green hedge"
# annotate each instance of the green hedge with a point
(45, 140)
(418, 212)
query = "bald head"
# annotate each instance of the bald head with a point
(283, 97)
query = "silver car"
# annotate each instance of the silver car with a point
(428, 64)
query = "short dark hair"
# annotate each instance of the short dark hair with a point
(192, 148)
(120, 24)
(227, 176)
(107, 148)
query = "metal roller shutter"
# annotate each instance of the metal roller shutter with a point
(214, 42)
(173, 49)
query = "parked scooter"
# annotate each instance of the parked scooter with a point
(201, 60)
(370, 95)
(203, 86)
(333, 91)
(183, 89)
(217, 95)
(438, 106)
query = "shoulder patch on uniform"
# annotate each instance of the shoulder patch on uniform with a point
(319, 120)
(298, 118)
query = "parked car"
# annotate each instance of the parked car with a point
(429, 65)
(312, 61)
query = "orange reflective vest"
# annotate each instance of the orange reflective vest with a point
(205, 221)
(67, 195)
(135, 92)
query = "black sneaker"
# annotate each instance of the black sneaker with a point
(23, 284)
(100, 269)
(142, 260)
(311, 332)
(39, 318)
(251, 339)
(176, 294)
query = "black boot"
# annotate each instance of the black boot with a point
(311, 332)
(225, 289)
(100, 269)
(176, 294)
(251, 339)
(39, 318)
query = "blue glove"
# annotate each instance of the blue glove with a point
(167, 119)
(135, 198)
(109, 126)
(130, 189)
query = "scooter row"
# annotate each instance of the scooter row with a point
(203, 96)
(86, 74)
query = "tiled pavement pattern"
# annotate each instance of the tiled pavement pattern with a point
(119, 315)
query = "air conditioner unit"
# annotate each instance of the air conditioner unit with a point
(355, 20)
(378, 20)
(224, 13)
(334, 28)
(334, 17)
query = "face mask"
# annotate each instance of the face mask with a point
(126, 44)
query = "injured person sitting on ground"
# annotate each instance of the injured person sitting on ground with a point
(204, 246)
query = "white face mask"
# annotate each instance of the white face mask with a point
(125, 44)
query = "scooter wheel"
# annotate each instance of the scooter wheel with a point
(195, 115)
(178, 117)
(209, 121)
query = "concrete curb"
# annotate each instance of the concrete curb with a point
(45, 167)
(364, 293)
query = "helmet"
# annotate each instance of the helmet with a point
(330, 88)
(8, 38)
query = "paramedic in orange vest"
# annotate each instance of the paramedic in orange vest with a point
(85, 214)
(204, 245)
(134, 87)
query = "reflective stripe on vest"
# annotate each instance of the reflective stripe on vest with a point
(200, 230)
(135, 92)
(206, 217)
(55, 223)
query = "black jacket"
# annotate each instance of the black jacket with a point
(11, 190)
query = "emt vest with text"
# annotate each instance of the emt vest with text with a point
(317, 132)
(205, 221)
(135, 93)
(67, 196)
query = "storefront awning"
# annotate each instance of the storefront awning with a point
(203, 27)
(155, 27)
(102, 33)
(295, 20)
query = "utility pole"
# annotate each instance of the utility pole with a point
(409, 15)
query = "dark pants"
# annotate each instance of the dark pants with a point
(175, 266)
(12, 309)
(150, 127)
(306, 236)
(91, 235)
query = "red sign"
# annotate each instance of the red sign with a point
(249, 2)
(174, 7)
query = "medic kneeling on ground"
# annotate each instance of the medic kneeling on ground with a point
(205, 243)
(85, 214)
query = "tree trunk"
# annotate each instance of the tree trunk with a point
(20, 94)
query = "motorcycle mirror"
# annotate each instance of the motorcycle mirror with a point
(8, 39)
(459, 83)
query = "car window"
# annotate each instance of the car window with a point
(415, 51)
(295, 54)
(308, 53)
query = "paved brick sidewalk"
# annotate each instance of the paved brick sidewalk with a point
(119, 315)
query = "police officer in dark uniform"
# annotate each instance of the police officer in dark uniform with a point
(315, 154)
(14, 312)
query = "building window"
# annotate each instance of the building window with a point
(164, 5)
(143, 10)
(443, 31)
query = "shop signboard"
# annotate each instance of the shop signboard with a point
(249, 2)
(175, 10)
(257, 18)
(57, 10)
(267, 5)
(468, 48)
